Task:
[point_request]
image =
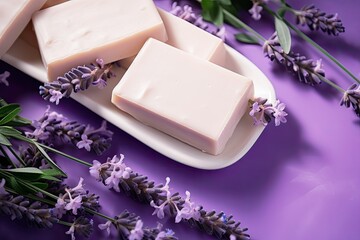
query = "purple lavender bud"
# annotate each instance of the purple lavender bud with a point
(82, 226)
(307, 70)
(351, 97)
(316, 19)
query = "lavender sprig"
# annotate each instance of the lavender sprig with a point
(351, 97)
(78, 79)
(115, 174)
(54, 128)
(307, 70)
(3, 78)
(19, 207)
(315, 19)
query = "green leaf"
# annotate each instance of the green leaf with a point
(14, 185)
(212, 12)
(246, 38)
(284, 35)
(40, 185)
(4, 140)
(10, 116)
(7, 108)
(51, 172)
(29, 170)
(9, 131)
(51, 178)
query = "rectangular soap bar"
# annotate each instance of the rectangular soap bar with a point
(78, 32)
(14, 16)
(186, 36)
(185, 96)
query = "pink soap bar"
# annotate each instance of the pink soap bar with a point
(189, 38)
(14, 16)
(78, 32)
(189, 98)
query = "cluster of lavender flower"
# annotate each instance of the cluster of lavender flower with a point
(53, 128)
(78, 79)
(115, 174)
(186, 12)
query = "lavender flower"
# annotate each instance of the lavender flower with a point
(307, 70)
(166, 204)
(106, 226)
(316, 19)
(19, 207)
(54, 128)
(256, 9)
(3, 78)
(189, 210)
(74, 199)
(167, 234)
(81, 226)
(186, 12)
(137, 233)
(263, 112)
(351, 97)
(78, 79)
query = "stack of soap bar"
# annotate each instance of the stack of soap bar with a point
(14, 16)
(77, 32)
(187, 97)
(185, 36)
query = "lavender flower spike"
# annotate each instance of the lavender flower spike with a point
(137, 233)
(351, 97)
(77, 79)
(53, 128)
(3, 78)
(81, 226)
(316, 19)
(2, 187)
(166, 204)
(262, 112)
(306, 70)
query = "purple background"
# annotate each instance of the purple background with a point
(299, 181)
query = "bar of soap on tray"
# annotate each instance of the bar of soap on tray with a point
(78, 32)
(14, 16)
(189, 98)
(186, 36)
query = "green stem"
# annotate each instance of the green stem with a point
(66, 155)
(313, 43)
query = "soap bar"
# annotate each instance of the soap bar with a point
(28, 35)
(78, 32)
(186, 36)
(14, 16)
(189, 98)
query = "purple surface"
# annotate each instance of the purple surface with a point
(299, 181)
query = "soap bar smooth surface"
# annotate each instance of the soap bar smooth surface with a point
(14, 16)
(185, 36)
(78, 32)
(187, 97)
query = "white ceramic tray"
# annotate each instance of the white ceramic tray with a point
(27, 59)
